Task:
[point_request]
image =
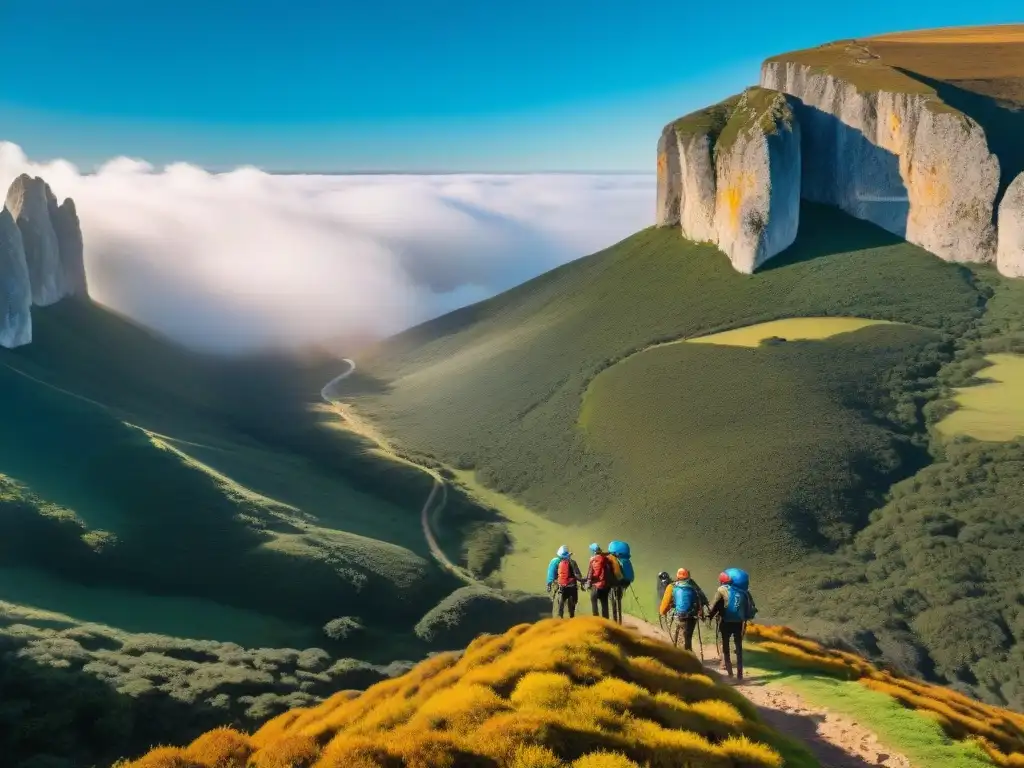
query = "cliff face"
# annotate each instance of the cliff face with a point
(1010, 256)
(918, 133)
(41, 256)
(15, 291)
(900, 159)
(730, 175)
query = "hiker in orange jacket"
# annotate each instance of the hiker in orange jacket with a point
(598, 580)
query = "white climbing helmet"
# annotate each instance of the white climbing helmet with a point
(563, 551)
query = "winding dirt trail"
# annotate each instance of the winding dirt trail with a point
(438, 491)
(835, 740)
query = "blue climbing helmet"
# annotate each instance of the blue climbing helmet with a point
(563, 552)
(595, 548)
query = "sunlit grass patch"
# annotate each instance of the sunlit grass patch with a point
(790, 329)
(993, 410)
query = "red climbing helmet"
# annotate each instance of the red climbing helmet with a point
(723, 578)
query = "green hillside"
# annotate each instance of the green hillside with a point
(563, 396)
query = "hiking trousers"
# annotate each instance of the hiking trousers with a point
(686, 624)
(567, 596)
(734, 630)
(616, 601)
(599, 596)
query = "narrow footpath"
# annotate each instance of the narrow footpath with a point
(438, 491)
(836, 741)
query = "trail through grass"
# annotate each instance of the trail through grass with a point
(912, 733)
(991, 411)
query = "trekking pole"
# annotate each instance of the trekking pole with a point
(700, 642)
(638, 607)
(718, 646)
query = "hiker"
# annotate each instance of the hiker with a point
(622, 569)
(734, 606)
(564, 574)
(598, 573)
(687, 602)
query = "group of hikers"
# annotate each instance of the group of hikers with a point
(682, 603)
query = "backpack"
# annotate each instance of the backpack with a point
(615, 576)
(685, 601)
(600, 570)
(738, 606)
(566, 573)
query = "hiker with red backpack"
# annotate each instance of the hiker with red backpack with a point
(564, 573)
(598, 580)
(734, 606)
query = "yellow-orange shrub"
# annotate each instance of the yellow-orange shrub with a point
(584, 693)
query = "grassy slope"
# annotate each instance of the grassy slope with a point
(192, 478)
(499, 385)
(933, 582)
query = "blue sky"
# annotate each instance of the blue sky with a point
(415, 85)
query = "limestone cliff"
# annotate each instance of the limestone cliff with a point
(15, 291)
(882, 146)
(732, 176)
(27, 200)
(71, 247)
(41, 256)
(1010, 255)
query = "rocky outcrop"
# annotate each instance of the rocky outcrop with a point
(28, 200)
(15, 290)
(71, 247)
(738, 177)
(884, 148)
(41, 256)
(1010, 254)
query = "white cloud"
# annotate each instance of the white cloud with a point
(239, 260)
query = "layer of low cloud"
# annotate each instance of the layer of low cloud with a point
(242, 260)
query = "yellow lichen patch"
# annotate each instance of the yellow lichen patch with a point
(929, 187)
(993, 411)
(791, 329)
(733, 199)
(556, 694)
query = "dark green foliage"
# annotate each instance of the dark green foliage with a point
(469, 611)
(83, 695)
(933, 584)
(343, 628)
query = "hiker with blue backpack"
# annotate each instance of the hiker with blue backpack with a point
(622, 570)
(734, 606)
(684, 602)
(564, 573)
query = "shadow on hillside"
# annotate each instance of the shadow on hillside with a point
(841, 167)
(826, 231)
(63, 717)
(1003, 127)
